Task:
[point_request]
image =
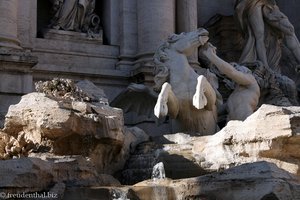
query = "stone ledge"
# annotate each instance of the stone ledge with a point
(17, 58)
(73, 36)
(45, 68)
(75, 47)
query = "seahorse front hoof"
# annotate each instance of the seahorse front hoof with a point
(199, 98)
(160, 109)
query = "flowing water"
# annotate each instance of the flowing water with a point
(158, 171)
(119, 194)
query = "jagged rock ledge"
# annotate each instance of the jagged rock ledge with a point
(66, 134)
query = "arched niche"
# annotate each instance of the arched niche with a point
(45, 14)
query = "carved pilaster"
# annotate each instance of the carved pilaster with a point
(128, 34)
(16, 77)
(8, 24)
(186, 21)
(156, 21)
(15, 63)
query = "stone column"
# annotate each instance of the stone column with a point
(15, 63)
(128, 34)
(186, 15)
(110, 18)
(8, 24)
(186, 21)
(156, 21)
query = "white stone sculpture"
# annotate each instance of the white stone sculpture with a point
(278, 85)
(243, 101)
(184, 95)
(264, 25)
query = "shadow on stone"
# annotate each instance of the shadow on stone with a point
(270, 196)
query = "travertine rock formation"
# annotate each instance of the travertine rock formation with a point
(34, 174)
(41, 116)
(66, 137)
(69, 119)
(271, 134)
(254, 181)
(50, 129)
(67, 89)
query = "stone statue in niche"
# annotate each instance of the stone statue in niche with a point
(186, 97)
(76, 16)
(244, 99)
(264, 27)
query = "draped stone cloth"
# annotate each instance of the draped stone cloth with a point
(70, 16)
(273, 35)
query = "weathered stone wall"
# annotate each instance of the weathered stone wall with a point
(70, 58)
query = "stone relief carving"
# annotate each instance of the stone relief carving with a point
(243, 101)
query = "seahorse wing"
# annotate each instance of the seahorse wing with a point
(137, 98)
